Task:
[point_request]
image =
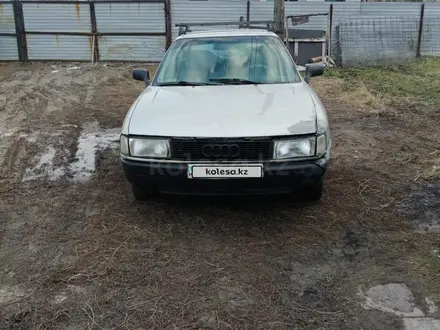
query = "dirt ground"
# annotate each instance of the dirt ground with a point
(77, 252)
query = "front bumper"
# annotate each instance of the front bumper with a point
(171, 177)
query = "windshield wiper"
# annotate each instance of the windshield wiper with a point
(235, 81)
(186, 83)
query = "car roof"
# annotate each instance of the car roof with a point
(226, 33)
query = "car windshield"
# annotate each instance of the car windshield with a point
(227, 60)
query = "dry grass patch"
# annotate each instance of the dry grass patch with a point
(379, 89)
(354, 95)
(424, 261)
(409, 99)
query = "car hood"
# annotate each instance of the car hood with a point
(224, 111)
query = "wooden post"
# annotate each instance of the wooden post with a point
(330, 28)
(94, 28)
(168, 30)
(279, 18)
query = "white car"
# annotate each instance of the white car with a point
(226, 113)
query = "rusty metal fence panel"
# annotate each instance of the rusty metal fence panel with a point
(8, 39)
(48, 17)
(134, 48)
(59, 47)
(7, 24)
(129, 19)
(53, 31)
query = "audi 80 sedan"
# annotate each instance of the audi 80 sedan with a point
(226, 113)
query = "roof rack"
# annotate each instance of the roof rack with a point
(184, 28)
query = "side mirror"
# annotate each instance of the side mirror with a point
(313, 70)
(301, 68)
(142, 75)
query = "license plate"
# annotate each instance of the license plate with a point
(225, 171)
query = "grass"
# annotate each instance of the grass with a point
(424, 262)
(415, 83)
(408, 93)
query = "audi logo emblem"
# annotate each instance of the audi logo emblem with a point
(221, 150)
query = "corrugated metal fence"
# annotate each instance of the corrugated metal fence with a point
(135, 30)
(71, 22)
(141, 30)
(8, 37)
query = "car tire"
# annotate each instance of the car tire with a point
(142, 193)
(313, 192)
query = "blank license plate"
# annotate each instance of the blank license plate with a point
(224, 172)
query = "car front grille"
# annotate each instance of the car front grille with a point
(221, 149)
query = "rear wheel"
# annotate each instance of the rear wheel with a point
(141, 193)
(314, 192)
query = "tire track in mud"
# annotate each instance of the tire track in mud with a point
(14, 159)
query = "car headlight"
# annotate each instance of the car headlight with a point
(124, 145)
(321, 145)
(142, 147)
(294, 148)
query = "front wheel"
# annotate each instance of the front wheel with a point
(314, 192)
